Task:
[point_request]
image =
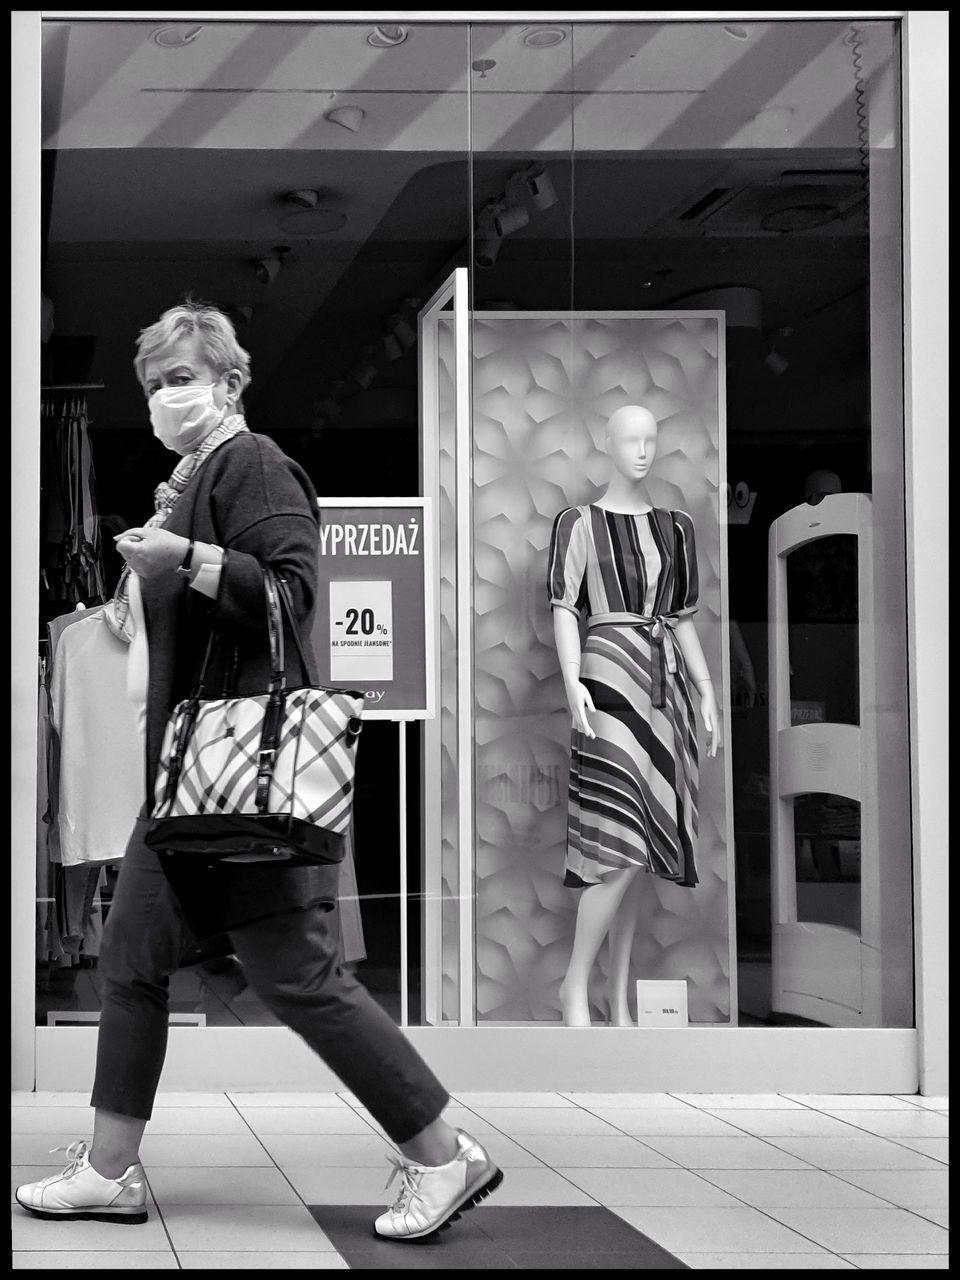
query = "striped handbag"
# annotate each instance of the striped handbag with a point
(268, 776)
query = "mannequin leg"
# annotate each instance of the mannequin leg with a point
(598, 906)
(622, 933)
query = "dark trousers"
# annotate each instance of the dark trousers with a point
(291, 960)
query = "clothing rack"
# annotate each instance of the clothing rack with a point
(72, 386)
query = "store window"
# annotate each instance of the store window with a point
(455, 252)
(701, 220)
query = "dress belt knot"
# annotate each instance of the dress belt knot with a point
(660, 627)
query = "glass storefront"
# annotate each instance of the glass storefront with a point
(454, 252)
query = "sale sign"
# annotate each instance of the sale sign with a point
(373, 628)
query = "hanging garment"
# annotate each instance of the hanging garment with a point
(71, 561)
(352, 943)
(100, 785)
(633, 788)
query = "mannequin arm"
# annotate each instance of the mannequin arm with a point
(566, 632)
(689, 641)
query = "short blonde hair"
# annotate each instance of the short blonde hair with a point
(218, 339)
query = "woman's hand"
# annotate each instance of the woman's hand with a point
(580, 702)
(150, 552)
(711, 717)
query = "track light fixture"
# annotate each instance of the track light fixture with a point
(268, 268)
(510, 218)
(488, 236)
(304, 198)
(542, 194)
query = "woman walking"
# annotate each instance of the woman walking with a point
(235, 504)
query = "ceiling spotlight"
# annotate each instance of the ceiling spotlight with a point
(510, 219)
(175, 37)
(542, 194)
(267, 269)
(483, 65)
(383, 37)
(350, 118)
(304, 198)
(544, 37)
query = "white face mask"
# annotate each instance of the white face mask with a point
(183, 416)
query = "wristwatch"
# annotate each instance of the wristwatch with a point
(184, 567)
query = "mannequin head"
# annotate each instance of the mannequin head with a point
(631, 441)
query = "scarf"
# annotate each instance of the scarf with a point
(165, 498)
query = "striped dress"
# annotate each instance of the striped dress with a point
(633, 788)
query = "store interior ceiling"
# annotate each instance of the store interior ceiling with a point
(688, 156)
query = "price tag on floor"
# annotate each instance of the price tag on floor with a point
(361, 631)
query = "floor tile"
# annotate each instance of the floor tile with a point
(894, 1261)
(304, 1120)
(926, 1100)
(720, 1230)
(516, 1121)
(512, 1099)
(175, 1098)
(668, 1188)
(593, 1100)
(915, 1123)
(856, 1230)
(21, 1098)
(29, 1233)
(726, 1153)
(802, 1123)
(275, 1228)
(195, 1121)
(220, 1186)
(261, 1260)
(867, 1152)
(666, 1122)
(621, 1152)
(92, 1260)
(761, 1188)
(215, 1150)
(286, 1100)
(850, 1101)
(764, 1261)
(940, 1217)
(731, 1101)
(933, 1148)
(316, 1184)
(535, 1187)
(510, 1154)
(335, 1149)
(60, 1122)
(905, 1188)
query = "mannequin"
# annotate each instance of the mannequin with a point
(634, 768)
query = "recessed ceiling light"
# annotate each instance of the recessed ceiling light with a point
(175, 37)
(544, 37)
(736, 30)
(382, 37)
(312, 222)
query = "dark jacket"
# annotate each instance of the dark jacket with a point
(258, 505)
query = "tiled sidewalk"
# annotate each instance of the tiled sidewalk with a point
(720, 1181)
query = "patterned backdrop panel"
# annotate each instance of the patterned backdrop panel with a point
(543, 389)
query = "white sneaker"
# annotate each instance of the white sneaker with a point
(80, 1192)
(431, 1197)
